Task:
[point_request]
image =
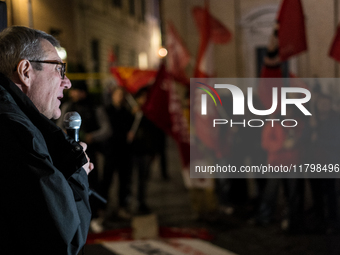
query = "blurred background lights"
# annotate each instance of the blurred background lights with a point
(162, 52)
(62, 53)
(143, 60)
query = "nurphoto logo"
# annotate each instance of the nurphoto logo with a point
(204, 97)
(238, 99)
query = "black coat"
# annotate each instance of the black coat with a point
(43, 189)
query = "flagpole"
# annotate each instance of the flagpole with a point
(138, 115)
(30, 13)
(336, 20)
(237, 37)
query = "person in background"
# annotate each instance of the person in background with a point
(324, 150)
(117, 152)
(285, 147)
(44, 185)
(94, 130)
(144, 146)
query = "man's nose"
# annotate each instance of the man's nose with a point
(66, 82)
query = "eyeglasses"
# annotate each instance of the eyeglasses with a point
(61, 67)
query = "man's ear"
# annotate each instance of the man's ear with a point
(25, 72)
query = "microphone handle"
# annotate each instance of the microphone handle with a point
(99, 197)
(74, 133)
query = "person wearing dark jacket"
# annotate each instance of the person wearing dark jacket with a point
(94, 130)
(44, 190)
(117, 150)
(144, 143)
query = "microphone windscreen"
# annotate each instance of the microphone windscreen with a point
(72, 120)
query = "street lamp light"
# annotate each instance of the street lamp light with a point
(62, 53)
(162, 52)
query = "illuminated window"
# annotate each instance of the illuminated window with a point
(143, 60)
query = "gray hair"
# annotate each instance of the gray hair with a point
(17, 43)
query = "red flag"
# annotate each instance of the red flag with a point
(209, 26)
(132, 78)
(291, 32)
(265, 88)
(212, 32)
(335, 48)
(288, 39)
(178, 56)
(164, 109)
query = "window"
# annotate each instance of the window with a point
(95, 54)
(117, 3)
(3, 15)
(132, 7)
(133, 58)
(155, 9)
(143, 60)
(143, 10)
(116, 51)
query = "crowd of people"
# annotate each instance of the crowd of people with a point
(315, 140)
(127, 141)
(47, 176)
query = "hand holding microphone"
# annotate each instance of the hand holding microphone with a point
(72, 122)
(89, 166)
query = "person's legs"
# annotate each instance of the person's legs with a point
(268, 203)
(143, 165)
(295, 199)
(125, 174)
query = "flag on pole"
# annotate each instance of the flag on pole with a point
(163, 107)
(178, 55)
(291, 29)
(132, 79)
(271, 69)
(210, 26)
(335, 47)
(212, 31)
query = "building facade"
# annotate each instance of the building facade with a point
(251, 22)
(91, 31)
(96, 34)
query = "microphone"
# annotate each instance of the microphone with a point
(72, 122)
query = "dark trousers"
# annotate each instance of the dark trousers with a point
(142, 164)
(294, 193)
(324, 199)
(121, 163)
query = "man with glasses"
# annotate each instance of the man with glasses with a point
(43, 178)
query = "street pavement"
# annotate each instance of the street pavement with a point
(169, 200)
